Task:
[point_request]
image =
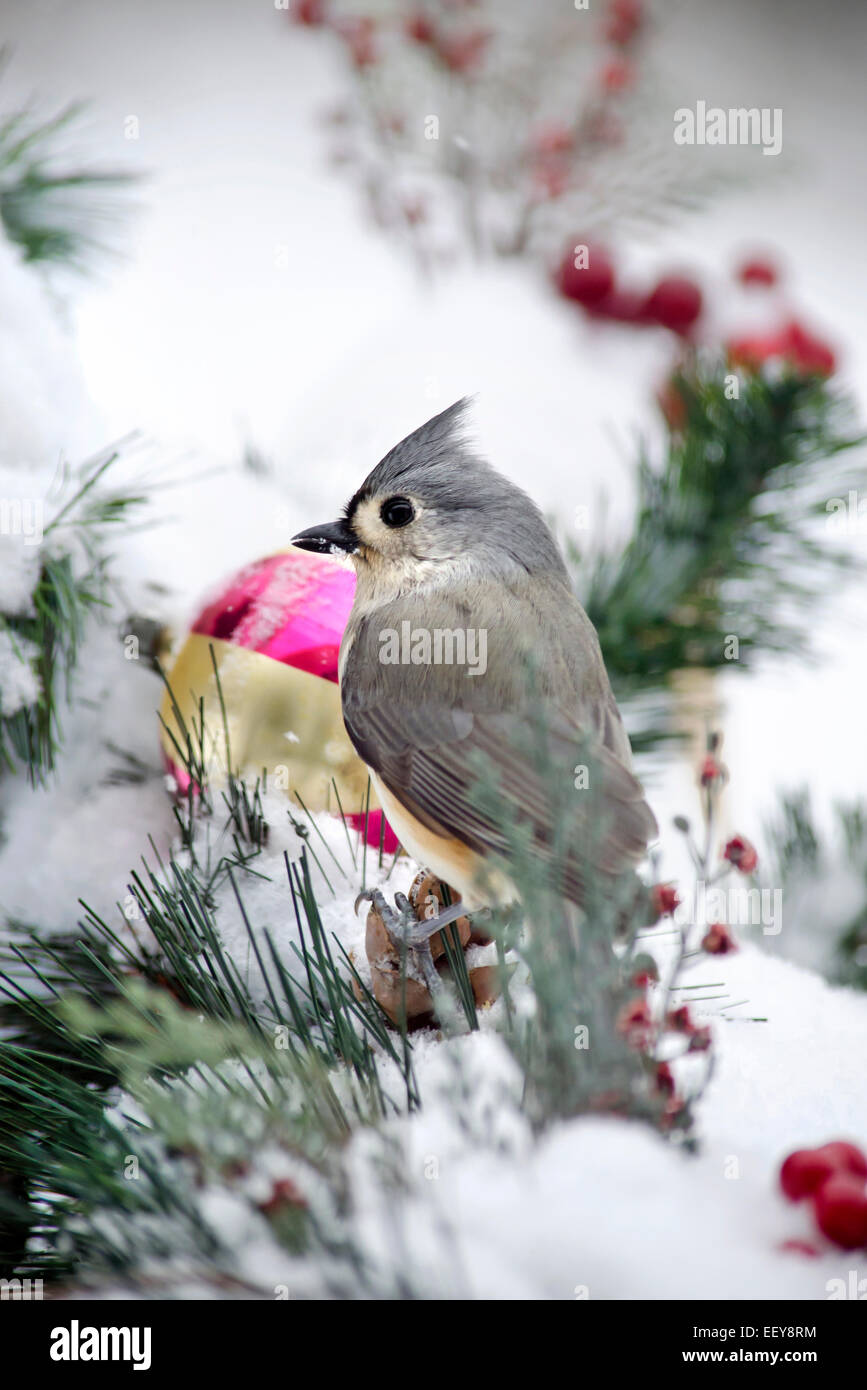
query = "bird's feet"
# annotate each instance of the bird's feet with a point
(407, 933)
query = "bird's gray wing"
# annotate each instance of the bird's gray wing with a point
(431, 733)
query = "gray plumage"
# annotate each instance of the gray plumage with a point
(480, 514)
(478, 555)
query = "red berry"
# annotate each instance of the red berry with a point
(665, 898)
(793, 344)
(621, 305)
(284, 1193)
(757, 272)
(675, 303)
(672, 405)
(623, 21)
(551, 178)
(665, 1079)
(635, 1024)
(674, 1112)
(602, 127)
(710, 771)
(741, 854)
(552, 138)
(753, 350)
(810, 355)
(359, 34)
(800, 1247)
(803, 1172)
(846, 1158)
(420, 27)
(585, 275)
(414, 210)
(464, 52)
(645, 971)
(719, 941)
(680, 1020)
(310, 12)
(840, 1208)
(618, 75)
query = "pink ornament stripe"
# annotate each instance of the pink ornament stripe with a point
(292, 607)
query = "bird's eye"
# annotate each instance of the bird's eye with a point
(397, 511)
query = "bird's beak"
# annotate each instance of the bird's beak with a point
(331, 538)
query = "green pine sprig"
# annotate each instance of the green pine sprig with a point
(727, 540)
(72, 583)
(58, 214)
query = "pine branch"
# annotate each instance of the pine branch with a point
(726, 541)
(57, 215)
(72, 583)
(833, 868)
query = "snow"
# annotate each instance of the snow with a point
(595, 1208)
(19, 683)
(203, 343)
(21, 527)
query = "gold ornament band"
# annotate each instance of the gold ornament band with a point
(285, 721)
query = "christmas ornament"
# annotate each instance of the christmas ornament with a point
(275, 630)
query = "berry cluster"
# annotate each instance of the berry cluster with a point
(833, 1179)
(586, 275)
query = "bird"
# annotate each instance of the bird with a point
(444, 544)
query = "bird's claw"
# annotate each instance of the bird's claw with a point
(407, 933)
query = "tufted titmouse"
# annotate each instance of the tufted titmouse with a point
(464, 624)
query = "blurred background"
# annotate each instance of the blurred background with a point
(299, 275)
